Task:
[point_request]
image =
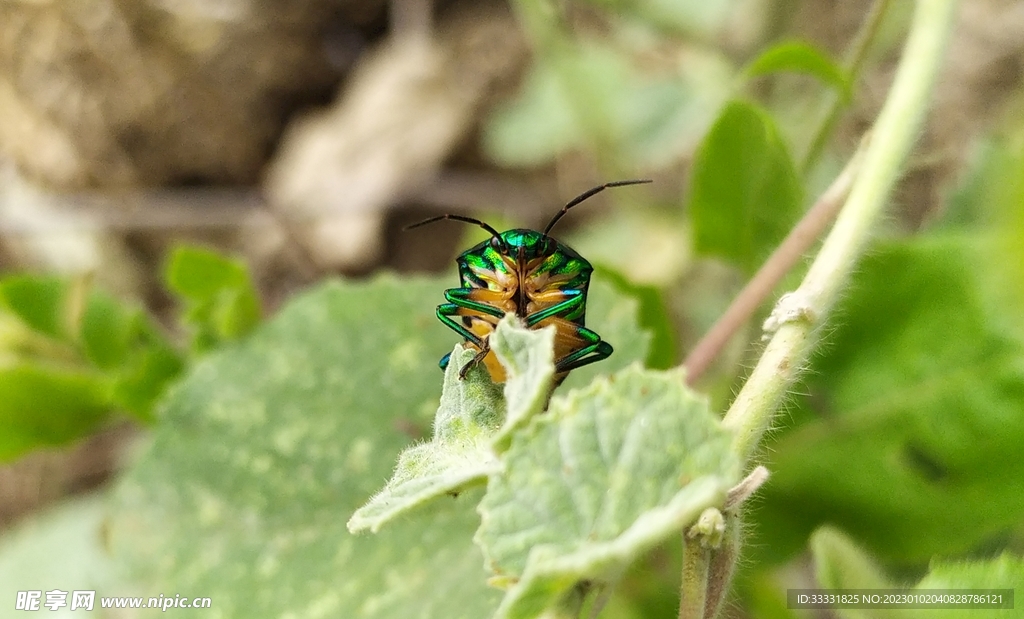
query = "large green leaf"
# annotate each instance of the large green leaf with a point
(269, 445)
(744, 194)
(911, 441)
(606, 474)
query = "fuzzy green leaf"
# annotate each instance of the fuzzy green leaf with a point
(473, 422)
(528, 356)
(470, 414)
(267, 445)
(799, 57)
(744, 194)
(607, 473)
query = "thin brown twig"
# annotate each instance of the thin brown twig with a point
(806, 232)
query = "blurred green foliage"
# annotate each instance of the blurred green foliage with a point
(69, 357)
(841, 564)
(220, 302)
(915, 416)
(72, 356)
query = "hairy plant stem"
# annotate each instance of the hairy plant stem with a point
(834, 104)
(694, 590)
(798, 315)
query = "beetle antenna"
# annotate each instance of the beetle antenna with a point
(586, 194)
(464, 219)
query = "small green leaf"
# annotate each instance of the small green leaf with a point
(470, 423)
(106, 328)
(799, 57)
(538, 125)
(744, 194)
(45, 406)
(220, 300)
(840, 564)
(38, 301)
(606, 474)
(471, 411)
(528, 357)
(124, 344)
(140, 382)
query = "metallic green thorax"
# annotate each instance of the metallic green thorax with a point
(522, 247)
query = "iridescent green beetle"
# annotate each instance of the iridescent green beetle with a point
(531, 275)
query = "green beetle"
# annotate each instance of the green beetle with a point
(529, 274)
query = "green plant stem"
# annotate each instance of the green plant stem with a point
(722, 566)
(799, 314)
(693, 592)
(854, 63)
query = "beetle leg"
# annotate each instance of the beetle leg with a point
(484, 349)
(463, 298)
(562, 307)
(597, 350)
(445, 312)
